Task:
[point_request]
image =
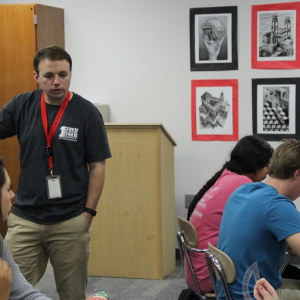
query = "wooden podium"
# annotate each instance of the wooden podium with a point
(133, 234)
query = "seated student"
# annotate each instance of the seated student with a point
(260, 220)
(249, 161)
(12, 283)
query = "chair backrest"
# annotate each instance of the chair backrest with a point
(226, 263)
(189, 230)
(220, 266)
(187, 241)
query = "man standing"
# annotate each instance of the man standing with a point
(63, 148)
(260, 220)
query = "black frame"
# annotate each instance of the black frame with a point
(214, 66)
(276, 81)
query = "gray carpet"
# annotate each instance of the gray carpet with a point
(125, 288)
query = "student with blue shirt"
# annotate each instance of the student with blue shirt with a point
(260, 220)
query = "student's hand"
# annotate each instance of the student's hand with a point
(5, 280)
(264, 291)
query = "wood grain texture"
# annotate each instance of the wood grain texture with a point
(17, 48)
(133, 234)
(18, 45)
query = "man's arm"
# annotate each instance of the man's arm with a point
(7, 122)
(294, 242)
(95, 187)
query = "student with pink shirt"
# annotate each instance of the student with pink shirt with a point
(249, 162)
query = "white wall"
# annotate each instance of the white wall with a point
(135, 56)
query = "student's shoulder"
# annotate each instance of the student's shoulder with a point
(248, 187)
(282, 200)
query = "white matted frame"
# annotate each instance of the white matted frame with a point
(275, 108)
(213, 38)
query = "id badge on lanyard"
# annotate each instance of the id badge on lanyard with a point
(53, 181)
(54, 186)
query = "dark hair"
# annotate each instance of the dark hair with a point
(248, 156)
(52, 53)
(2, 181)
(285, 160)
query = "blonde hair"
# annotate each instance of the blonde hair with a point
(285, 160)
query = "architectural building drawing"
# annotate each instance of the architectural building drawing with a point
(213, 111)
(278, 41)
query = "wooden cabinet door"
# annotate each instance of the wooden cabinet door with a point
(25, 28)
(17, 48)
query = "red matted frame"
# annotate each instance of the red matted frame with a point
(209, 85)
(276, 63)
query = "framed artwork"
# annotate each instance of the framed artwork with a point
(275, 44)
(214, 110)
(213, 38)
(275, 106)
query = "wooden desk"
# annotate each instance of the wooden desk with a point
(133, 234)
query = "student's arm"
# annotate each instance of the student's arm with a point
(20, 288)
(294, 243)
(5, 280)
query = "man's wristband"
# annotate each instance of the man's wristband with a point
(90, 211)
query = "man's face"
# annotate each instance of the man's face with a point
(54, 79)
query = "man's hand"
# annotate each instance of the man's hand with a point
(88, 218)
(5, 280)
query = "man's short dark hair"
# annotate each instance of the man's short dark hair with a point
(51, 53)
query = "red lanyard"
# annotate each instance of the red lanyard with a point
(54, 125)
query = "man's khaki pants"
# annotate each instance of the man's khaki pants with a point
(65, 243)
